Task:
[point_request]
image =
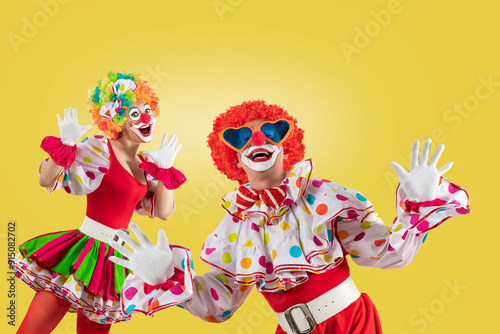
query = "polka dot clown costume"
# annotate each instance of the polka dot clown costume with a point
(288, 233)
(70, 270)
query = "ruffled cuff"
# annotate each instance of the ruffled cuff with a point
(62, 155)
(144, 298)
(452, 201)
(171, 177)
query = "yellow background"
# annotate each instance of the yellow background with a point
(359, 113)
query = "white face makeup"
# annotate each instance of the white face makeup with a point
(260, 158)
(142, 124)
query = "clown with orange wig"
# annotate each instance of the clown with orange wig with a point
(70, 270)
(288, 233)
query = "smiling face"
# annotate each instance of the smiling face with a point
(140, 121)
(260, 156)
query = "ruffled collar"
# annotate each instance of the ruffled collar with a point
(296, 180)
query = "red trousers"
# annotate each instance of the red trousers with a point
(360, 317)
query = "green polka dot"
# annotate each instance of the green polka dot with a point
(327, 258)
(222, 278)
(87, 160)
(399, 227)
(226, 258)
(226, 204)
(78, 178)
(366, 225)
(232, 237)
(298, 223)
(318, 229)
(266, 238)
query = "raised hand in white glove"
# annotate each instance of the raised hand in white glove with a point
(421, 182)
(164, 156)
(152, 263)
(69, 128)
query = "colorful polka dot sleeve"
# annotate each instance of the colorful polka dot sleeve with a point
(138, 298)
(86, 172)
(277, 249)
(373, 244)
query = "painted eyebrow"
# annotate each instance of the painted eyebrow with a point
(132, 109)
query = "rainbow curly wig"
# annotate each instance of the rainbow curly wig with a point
(225, 159)
(103, 94)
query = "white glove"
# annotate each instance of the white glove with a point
(70, 130)
(421, 182)
(152, 263)
(164, 156)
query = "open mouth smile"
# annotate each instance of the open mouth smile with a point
(259, 155)
(145, 130)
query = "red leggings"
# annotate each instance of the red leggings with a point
(47, 310)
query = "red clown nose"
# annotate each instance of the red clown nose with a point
(258, 138)
(145, 118)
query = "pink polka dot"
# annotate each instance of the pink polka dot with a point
(359, 236)
(214, 294)
(423, 226)
(138, 206)
(269, 268)
(286, 181)
(351, 214)
(99, 136)
(67, 190)
(255, 227)
(405, 234)
(317, 183)
(209, 250)
(390, 249)
(176, 289)
(150, 301)
(317, 241)
(414, 218)
(90, 175)
(262, 261)
(130, 293)
(229, 288)
(102, 169)
(461, 211)
(235, 219)
(54, 276)
(341, 198)
(452, 189)
(288, 201)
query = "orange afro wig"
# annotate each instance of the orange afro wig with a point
(225, 159)
(103, 94)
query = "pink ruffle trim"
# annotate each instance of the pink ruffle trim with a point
(171, 177)
(177, 278)
(62, 155)
(415, 206)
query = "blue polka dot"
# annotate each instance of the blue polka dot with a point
(360, 197)
(180, 306)
(83, 141)
(354, 256)
(295, 251)
(130, 308)
(311, 199)
(66, 177)
(330, 235)
(226, 314)
(340, 219)
(443, 209)
(425, 237)
(183, 264)
(192, 265)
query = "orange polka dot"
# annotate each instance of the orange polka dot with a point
(274, 254)
(403, 206)
(246, 263)
(77, 287)
(343, 234)
(243, 288)
(211, 318)
(90, 297)
(60, 177)
(353, 252)
(38, 268)
(379, 242)
(299, 182)
(321, 209)
(153, 305)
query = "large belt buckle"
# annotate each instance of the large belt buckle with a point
(307, 314)
(116, 238)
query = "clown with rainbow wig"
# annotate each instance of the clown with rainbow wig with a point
(70, 270)
(288, 234)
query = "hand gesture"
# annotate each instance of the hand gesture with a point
(152, 263)
(421, 182)
(69, 128)
(164, 156)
